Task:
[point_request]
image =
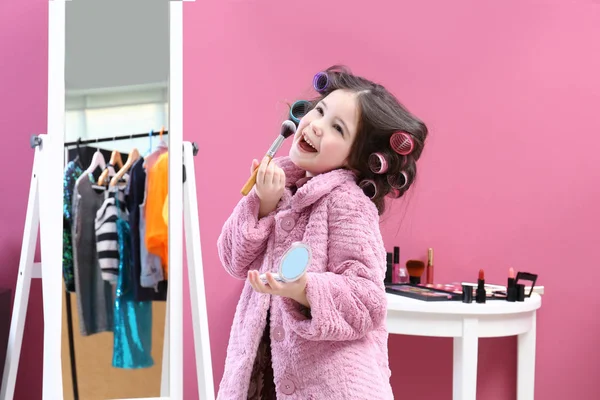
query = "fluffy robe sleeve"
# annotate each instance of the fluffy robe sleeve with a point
(243, 239)
(348, 300)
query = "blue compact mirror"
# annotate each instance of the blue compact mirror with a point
(293, 264)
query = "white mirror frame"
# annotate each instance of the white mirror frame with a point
(172, 385)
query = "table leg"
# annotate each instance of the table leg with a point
(526, 362)
(464, 385)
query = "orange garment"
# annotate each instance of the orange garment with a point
(166, 210)
(157, 231)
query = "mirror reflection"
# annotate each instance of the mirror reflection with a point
(115, 243)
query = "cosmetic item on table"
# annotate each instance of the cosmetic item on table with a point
(480, 293)
(423, 293)
(501, 289)
(287, 129)
(520, 289)
(467, 294)
(430, 266)
(389, 269)
(511, 289)
(415, 270)
(526, 276)
(400, 272)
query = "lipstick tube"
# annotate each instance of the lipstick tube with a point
(480, 292)
(430, 266)
(511, 289)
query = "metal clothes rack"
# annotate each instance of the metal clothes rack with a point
(110, 139)
(80, 142)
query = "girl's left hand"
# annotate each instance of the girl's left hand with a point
(294, 290)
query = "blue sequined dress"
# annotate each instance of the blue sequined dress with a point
(133, 319)
(72, 172)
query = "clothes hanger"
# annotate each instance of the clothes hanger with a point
(79, 158)
(162, 145)
(97, 161)
(115, 161)
(134, 155)
(150, 147)
(161, 142)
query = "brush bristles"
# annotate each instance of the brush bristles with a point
(288, 128)
(415, 268)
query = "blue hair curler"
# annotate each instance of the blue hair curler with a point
(299, 110)
(321, 82)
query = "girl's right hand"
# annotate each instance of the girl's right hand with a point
(270, 183)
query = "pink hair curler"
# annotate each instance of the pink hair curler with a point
(321, 82)
(378, 163)
(402, 143)
(398, 181)
(369, 188)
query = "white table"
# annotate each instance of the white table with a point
(466, 323)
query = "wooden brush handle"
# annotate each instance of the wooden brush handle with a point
(251, 181)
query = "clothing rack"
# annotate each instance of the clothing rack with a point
(69, 307)
(114, 138)
(45, 177)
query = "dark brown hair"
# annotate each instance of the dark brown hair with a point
(380, 115)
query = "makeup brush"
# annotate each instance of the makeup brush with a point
(415, 270)
(288, 128)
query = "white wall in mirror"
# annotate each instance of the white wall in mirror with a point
(98, 113)
(116, 64)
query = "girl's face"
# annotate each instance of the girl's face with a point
(325, 135)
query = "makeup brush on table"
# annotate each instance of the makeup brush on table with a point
(415, 270)
(287, 129)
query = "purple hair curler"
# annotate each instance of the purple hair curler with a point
(368, 187)
(402, 143)
(398, 181)
(321, 82)
(378, 163)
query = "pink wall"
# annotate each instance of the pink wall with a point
(23, 102)
(511, 95)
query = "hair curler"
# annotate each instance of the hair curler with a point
(402, 143)
(369, 188)
(398, 181)
(321, 82)
(378, 163)
(298, 111)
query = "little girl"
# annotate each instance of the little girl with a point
(324, 336)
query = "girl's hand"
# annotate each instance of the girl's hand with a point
(294, 290)
(270, 184)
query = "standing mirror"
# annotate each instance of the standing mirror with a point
(110, 166)
(115, 233)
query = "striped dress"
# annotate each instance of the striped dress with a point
(107, 239)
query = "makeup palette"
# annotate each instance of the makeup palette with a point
(421, 292)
